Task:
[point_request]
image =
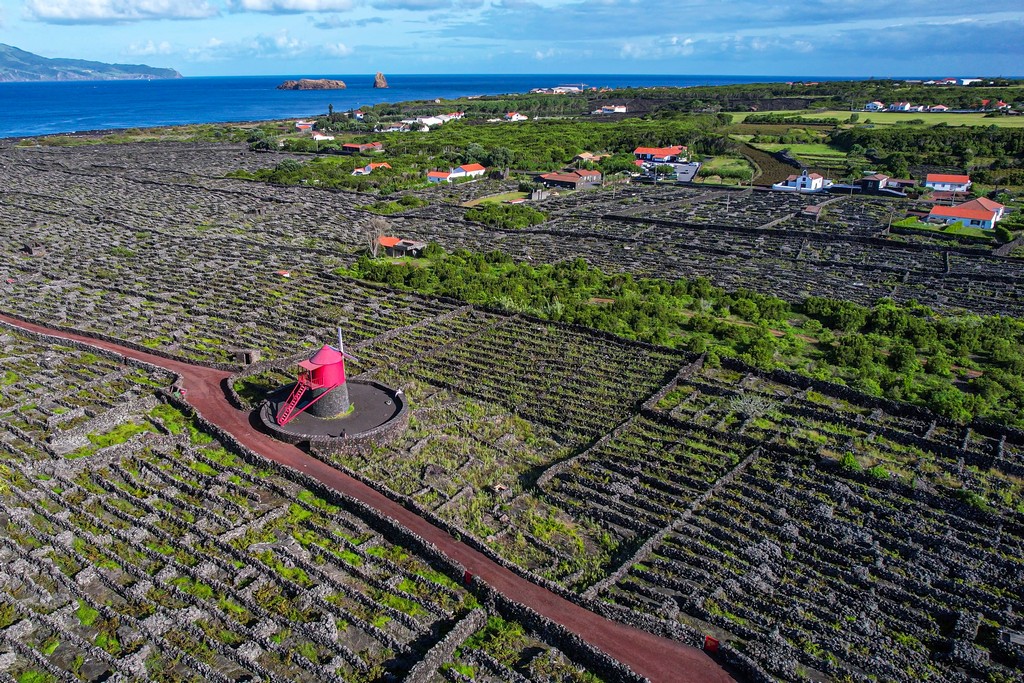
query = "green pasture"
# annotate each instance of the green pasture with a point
(802, 148)
(497, 198)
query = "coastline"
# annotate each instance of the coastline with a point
(41, 108)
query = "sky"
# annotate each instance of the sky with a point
(720, 37)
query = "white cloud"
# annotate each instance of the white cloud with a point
(150, 48)
(545, 54)
(115, 11)
(279, 44)
(412, 5)
(333, 21)
(682, 46)
(290, 6)
(338, 49)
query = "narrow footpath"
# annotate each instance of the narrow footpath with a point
(660, 659)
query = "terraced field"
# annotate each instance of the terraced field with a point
(818, 532)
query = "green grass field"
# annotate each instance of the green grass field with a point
(725, 170)
(891, 118)
(726, 164)
(498, 198)
(806, 148)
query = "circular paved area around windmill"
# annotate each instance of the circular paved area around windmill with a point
(322, 404)
(373, 405)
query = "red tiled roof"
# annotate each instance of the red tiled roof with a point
(563, 177)
(946, 178)
(388, 242)
(661, 151)
(438, 174)
(472, 167)
(383, 164)
(960, 212)
(981, 204)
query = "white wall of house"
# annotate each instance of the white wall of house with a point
(971, 223)
(948, 187)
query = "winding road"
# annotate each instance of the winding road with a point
(659, 659)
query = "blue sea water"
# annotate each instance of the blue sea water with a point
(40, 108)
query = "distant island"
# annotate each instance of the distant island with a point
(19, 65)
(313, 84)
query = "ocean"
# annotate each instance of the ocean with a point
(41, 108)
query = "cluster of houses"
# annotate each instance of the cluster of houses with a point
(423, 123)
(561, 89)
(463, 171)
(949, 81)
(984, 105)
(977, 213)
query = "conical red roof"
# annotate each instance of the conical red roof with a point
(328, 355)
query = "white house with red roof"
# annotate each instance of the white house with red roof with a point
(439, 177)
(370, 168)
(805, 182)
(515, 116)
(874, 106)
(661, 154)
(900, 106)
(978, 213)
(467, 171)
(946, 182)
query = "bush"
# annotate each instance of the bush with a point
(1003, 235)
(511, 216)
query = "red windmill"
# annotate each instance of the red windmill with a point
(323, 375)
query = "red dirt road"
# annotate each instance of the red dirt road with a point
(659, 659)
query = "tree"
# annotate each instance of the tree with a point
(500, 157)
(376, 228)
(474, 153)
(259, 140)
(664, 170)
